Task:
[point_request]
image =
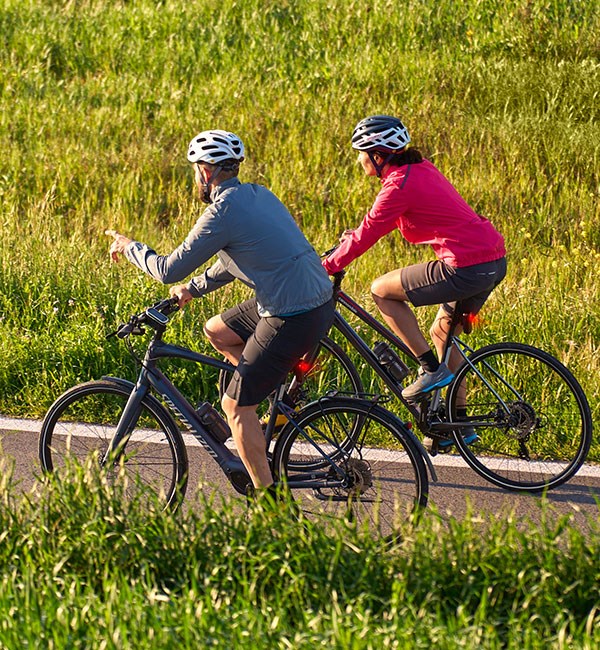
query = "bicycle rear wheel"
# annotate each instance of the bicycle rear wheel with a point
(531, 415)
(81, 423)
(377, 481)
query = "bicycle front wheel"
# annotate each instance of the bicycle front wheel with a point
(376, 482)
(81, 423)
(530, 413)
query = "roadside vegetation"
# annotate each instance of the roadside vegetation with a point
(98, 101)
(79, 568)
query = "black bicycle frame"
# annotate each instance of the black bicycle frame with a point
(151, 376)
(342, 325)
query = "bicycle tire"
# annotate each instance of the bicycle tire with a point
(332, 371)
(386, 479)
(80, 423)
(541, 437)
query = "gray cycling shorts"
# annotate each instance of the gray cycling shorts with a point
(274, 344)
(436, 282)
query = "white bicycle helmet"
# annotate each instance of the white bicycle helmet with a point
(216, 147)
(380, 133)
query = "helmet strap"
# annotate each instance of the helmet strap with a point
(379, 166)
(206, 186)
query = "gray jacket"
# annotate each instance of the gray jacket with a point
(256, 240)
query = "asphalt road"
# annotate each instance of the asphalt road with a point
(457, 490)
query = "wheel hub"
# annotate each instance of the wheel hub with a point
(359, 477)
(522, 419)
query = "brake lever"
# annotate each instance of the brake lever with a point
(157, 314)
(125, 329)
(166, 306)
(121, 332)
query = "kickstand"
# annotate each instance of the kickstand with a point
(434, 449)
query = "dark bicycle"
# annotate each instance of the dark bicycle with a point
(339, 456)
(531, 419)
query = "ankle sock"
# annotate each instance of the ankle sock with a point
(428, 361)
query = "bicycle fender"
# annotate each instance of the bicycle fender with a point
(427, 459)
(130, 385)
(118, 380)
(402, 424)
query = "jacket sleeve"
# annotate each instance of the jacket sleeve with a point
(213, 278)
(378, 222)
(207, 237)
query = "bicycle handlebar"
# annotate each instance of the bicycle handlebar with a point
(337, 280)
(154, 316)
(328, 252)
(337, 277)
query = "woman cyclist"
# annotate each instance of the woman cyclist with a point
(418, 200)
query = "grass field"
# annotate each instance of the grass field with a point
(99, 100)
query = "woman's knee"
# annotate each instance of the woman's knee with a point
(440, 327)
(376, 288)
(388, 287)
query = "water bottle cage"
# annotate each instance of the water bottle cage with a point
(390, 361)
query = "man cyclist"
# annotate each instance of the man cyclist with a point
(257, 241)
(417, 199)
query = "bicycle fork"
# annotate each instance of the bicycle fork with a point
(126, 424)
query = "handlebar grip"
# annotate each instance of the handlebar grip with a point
(154, 316)
(337, 279)
(166, 306)
(124, 330)
(328, 252)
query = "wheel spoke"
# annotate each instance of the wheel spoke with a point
(375, 481)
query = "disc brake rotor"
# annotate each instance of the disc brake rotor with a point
(522, 419)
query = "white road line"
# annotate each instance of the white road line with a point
(442, 460)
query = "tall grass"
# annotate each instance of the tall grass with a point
(80, 568)
(98, 101)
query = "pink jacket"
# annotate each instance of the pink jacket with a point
(420, 201)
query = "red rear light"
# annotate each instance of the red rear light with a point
(303, 366)
(474, 320)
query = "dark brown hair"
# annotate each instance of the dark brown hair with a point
(407, 157)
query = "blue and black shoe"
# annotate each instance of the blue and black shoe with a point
(469, 436)
(428, 381)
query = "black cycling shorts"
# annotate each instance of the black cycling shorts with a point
(436, 282)
(273, 346)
